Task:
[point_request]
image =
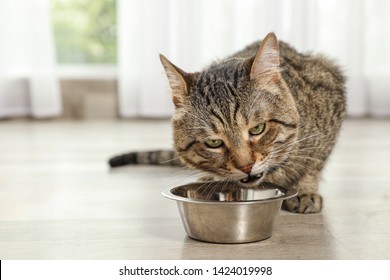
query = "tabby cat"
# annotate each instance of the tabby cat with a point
(265, 114)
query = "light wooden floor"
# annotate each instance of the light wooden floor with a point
(59, 199)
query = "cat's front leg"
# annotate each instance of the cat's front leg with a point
(308, 199)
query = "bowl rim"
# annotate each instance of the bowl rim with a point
(288, 193)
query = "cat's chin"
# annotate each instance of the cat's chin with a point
(248, 182)
(251, 180)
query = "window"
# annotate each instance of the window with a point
(85, 31)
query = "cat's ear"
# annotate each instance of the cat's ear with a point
(178, 81)
(266, 62)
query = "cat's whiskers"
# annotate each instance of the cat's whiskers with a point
(291, 157)
(287, 145)
(294, 154)
(284, 168)
(296, 164)
(169, 160)
(206, 192)
(186, 171)
(215, 187)
(186, 175)
(295, 151)
(307, 158)
(262, 185)
(286, 150)
(225, 183)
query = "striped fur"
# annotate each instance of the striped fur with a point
(160, 157)
(297, 100)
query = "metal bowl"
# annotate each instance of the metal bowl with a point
(222, 212)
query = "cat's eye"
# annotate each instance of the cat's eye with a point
(214, 143)
(258, 129)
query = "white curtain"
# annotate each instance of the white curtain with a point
(28, 85)
(192, 33)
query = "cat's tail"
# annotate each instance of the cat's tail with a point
(161, 157)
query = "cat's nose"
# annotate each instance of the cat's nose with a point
(247, 169)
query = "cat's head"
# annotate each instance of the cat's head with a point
(236, 119)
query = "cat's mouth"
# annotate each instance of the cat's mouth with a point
(250, 179)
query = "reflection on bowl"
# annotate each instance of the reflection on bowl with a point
(223, 212)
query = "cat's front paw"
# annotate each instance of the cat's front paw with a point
(304, 203)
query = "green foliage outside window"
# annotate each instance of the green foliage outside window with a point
(84, 31)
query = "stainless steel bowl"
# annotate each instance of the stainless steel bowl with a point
(222, 212)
